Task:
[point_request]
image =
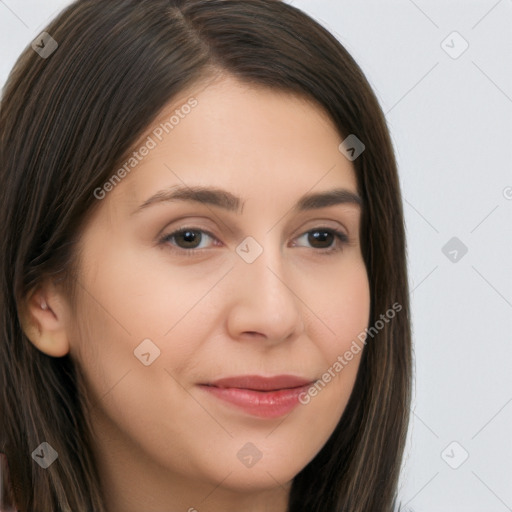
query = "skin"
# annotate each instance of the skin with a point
(162, 443)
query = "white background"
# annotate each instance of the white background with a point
(451, 124)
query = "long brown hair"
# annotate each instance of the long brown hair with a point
(65, 123)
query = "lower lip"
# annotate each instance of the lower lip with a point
(265, 404)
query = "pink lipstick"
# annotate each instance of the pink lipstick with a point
(265, 397)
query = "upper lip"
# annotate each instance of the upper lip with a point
(260, 383)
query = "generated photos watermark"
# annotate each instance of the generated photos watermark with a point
(152, 141)
(343, 360)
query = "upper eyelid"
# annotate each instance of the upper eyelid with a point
(239, 232)
(336, 212)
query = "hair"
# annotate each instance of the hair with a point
(65, 124)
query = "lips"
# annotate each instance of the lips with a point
(264, 397)
(259, 383)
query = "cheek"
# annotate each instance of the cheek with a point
(353, 313)
(345, 307)
(127, 300)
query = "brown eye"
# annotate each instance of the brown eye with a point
(187, 239)
(325, 239)
(320, 237)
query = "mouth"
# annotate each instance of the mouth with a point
(264, 397)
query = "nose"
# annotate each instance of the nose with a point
(264, 304)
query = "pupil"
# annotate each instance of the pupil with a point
(189, 237)
(320, 236)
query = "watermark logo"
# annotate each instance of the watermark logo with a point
(249, 455)
(454, 45)
(454, 455)
(351, 147)
(44, 45)
(454, 249)
(45, 455)
(146, 352)
(249, 249)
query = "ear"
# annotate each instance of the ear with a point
(44, 319)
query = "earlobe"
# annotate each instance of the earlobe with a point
(43, 322)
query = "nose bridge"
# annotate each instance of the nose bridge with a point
(264, 299)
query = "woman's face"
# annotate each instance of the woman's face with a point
(254, 286)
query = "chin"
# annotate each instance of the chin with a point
(250, 480)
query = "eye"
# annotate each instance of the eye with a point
(191, 240)
(187, 238)
(318, 237)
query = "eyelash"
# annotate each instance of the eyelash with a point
(340, 236)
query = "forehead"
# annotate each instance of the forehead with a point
(257, 142)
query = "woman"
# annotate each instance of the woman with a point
(204, 286)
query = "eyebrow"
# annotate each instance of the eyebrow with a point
(226, 200)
